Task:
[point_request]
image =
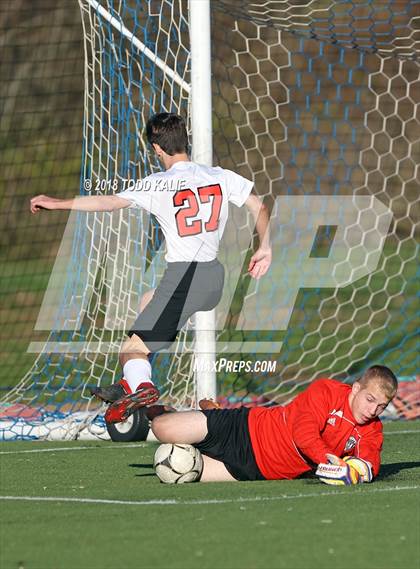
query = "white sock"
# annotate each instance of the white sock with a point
(137, 371)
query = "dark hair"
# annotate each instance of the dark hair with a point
(169, 131)
(384, 376)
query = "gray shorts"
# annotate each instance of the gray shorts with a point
(185, 288)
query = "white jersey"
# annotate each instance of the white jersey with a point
(190, 202)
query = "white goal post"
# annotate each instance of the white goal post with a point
(202, 153)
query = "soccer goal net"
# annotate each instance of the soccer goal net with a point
(317, 102)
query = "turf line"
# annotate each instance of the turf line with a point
(175, 502)
(61, 449)
(387, 433)
(140, 445)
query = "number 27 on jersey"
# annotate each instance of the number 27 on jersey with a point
(186, 217)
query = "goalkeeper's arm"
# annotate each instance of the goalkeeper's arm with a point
(82, 203)
(346, 471)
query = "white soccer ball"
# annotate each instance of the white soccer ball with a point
(178, 463)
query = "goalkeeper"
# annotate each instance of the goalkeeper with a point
(327, 422)
(191, 204)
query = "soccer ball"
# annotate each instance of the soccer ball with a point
(178, 463)
(363, 467)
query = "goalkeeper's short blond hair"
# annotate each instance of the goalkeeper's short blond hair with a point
(383, 376)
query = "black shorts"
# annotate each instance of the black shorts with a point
(184, 289)
(228, 440)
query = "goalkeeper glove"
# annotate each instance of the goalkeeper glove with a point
(338, 472)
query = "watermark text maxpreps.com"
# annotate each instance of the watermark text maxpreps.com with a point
(235, 366)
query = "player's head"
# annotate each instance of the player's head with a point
(167, 132)
(372, 392)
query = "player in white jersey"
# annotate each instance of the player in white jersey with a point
(191, 204)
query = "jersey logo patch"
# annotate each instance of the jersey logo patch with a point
(351, 443)
(331, 421)
(338, 413)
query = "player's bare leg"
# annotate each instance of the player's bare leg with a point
(187, 427)
(132, 348)
(215, 471)
(146, 298)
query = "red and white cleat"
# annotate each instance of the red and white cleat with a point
(120, 410)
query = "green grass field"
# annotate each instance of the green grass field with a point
(99, 505)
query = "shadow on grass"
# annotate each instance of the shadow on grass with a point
(388, 470)
(148, 466)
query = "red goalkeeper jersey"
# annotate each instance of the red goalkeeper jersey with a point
(288, 441)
